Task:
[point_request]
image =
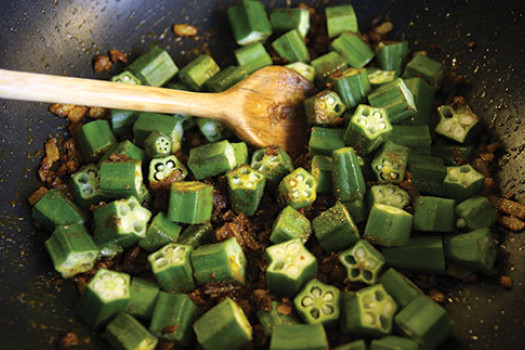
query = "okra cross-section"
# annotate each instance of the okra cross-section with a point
(212, 159)
(172, 267)
(459, 124)
(390, 163)
(362, 262)
(147, 123)
(245, 189)
(462, 182)
(166, 170)
(85, 186)
(190, 202)
(335, 229)
(125, 332)
(290, 224)
(126, 77)
(324, 108)
(318, 303)
(368, 312)
(388, 194)
(121, 179)
(157, 145)
(388, 226)
(273, 162)
(297, 189)
(291, 265)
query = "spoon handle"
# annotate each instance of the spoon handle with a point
(55, 89)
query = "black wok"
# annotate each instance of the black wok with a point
(61, 37)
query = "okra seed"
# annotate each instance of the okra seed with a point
(292, 270)
(88, 190)
(360, 253)
(124, 209)
(138, 226)
(466, 119)
(370, 263)
(316, 292)
(368, 318)
(307, 301)
(170, 164)
(328, 297)
(328, 310)
(315, 313)
(293, 248)
(161, 263)
(279, 266)
(159, 167)
(458, 131)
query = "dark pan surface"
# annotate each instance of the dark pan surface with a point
(61, 37)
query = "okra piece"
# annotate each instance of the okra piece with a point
(326, 65)
(415, 137)
(324, 108)
(190, 202)
(219, 262)
(424, 67)
(148, 122)
(378, 77)
(475, 213)
(157, 145)
(245, 189)
(458, 123)
(452, 154)
(85, 186)
(396, 98)
(322, 167)
(72, 250)
(354, 50)
(196, 73)
(428, 173)
(358, 210)
(299, 337)
(212, 159)
(241, 153)
(393, 342)
(334, 228)
(160, 232)
(323, 141)
(318, 303)
(290, 267)
(399, 287)
(95, 138)
(155, 67)
(392, 55)
(388, 226)
(355, 345)
(348, 182)
(173, 318)
(389, 164)
(420, 254)
(340, 19)
(225, 326)
(187, 121)
(125, 148)
(121, 179)
(434, 214)
(286, 19)
(297, 189)
(172, 267)
(362, 262)
(424, 321)
(126, 77)
(56, 208)
(290, 224)
(144, 295)
(274, 319)
(388, 194)
(368, 312)
(423, 98)
(226, 78)
(121, 222)
(306, 70)
(197, 234)
(291, 47)
(126, 333)
(169, 167)
(462, 182)
(368, 128)
(249, 22)
(474, 250)
(352, 85)
(213, 130)
(122, 121)
(253, 57)
(106, 295)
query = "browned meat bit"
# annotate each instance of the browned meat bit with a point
(262, 299)
(506, 282)
(185, 29)
(46, 174)
(74, 114)
(436, 295)
(97, 112)
(102, 63)
(117, 158)
(471, 44)
(69, 339)
(165, 184)
(60, 109)
(379, 29)
(37, 195)
(511, 207)
(481, 166)
(118, 56)
(285, 307)
(242, 229)
(512, 223)
(197, 297)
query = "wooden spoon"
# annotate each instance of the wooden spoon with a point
(263, 109)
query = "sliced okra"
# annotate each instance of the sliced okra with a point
(213, 130)
(172, 267)
(388, 194)
(415, 137)
(125, 332)
(378, 77)
(392, 55)
(399, 287)
(352, 85)
(474, 250)
(326, 65)
(348, 182)
(56, 208)
(155, 67)
(324, 108)
(318, 303)
(160, 232)
(272, 318)
(358, 210)
(249, 22)
(424, 67)
(340, 19)
(323, 141)
(122, 121)
(297, 189)
(147, 122)
(452, 154)
(475, 213)
(253, 57)
(121, 179)
(424, 100)
(144, 295)
(362, 262)
(290, 224)
(190, 202)
(245, 189)
(355, 51)
(388, 226)
(396, 98)
(434, 214)
(390, 162)
(121, 150)
(334, 228)
(306, 70)
(428, 173)
(322, 167)
(299, 336)
(420, 254)
(393, 342)
(85, 186)
(462, 182)
(212, 159)
(166, 168)
(197, 234)
(126, 77)
(458, 124)
(95, 138)
(241, 153)
(286, 19)
(157, 145)
(196, 73)
(226, 78)
(291, 47)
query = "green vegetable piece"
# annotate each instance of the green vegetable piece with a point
(326, 65)
(388, 194)
(358, 210)
(290, 267)
(324, 141)
(297, 189)
(197, 235)
(399, 287)
(475, 213)
(291, 47)
(72, 250)
(148, 122)
(155, 67)
(249, 22)
(121, 179)
(56, 208)
(173, 318)
(157, 145)
(212, 159)
(334, 228)
(187, 121)
(286, 19)
(392, 55)
(458, 123)
(160, 232)
(348, 182)
(368, 312)
(318, 303)
(424, 321)
(415, 137)
(124, 148)
(226, 78)
(306, 70)
(219, 262)
(355, 345)
(190, 202)
(393, 342)
(126, 333)
(428, 173)
(213, 130)
(95, 138)
(396, 98)
(354, 50)
(462, 182)
(144, 295)
(122, 121)
(423, 98)
(299, 337)
(378, 77)
(352, 85)
(452, 154)
(388, 226)
(290, 224)
(169, 167)
(245, 189)
(253, 57)
(474, 250)
(362, 262)
(172, 267)
(196, 73)
(420, 254)
(424, 67)
(390, 163)
(241, 153)
(324, 108)
(225, 326)
(126, 77)
(121, 222)
(274, 319)
(340, 19)
(434, 214)
(106, 295)
(368, 128)
(85, 186)
(322, 167)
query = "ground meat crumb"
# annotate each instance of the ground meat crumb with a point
(285, 308)
(512, 223)
(118, 56)
(511, 208)
(185, 30)
(506, 282)
(69, 339)
(436, 295)
(37, 195)
(102, 63)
